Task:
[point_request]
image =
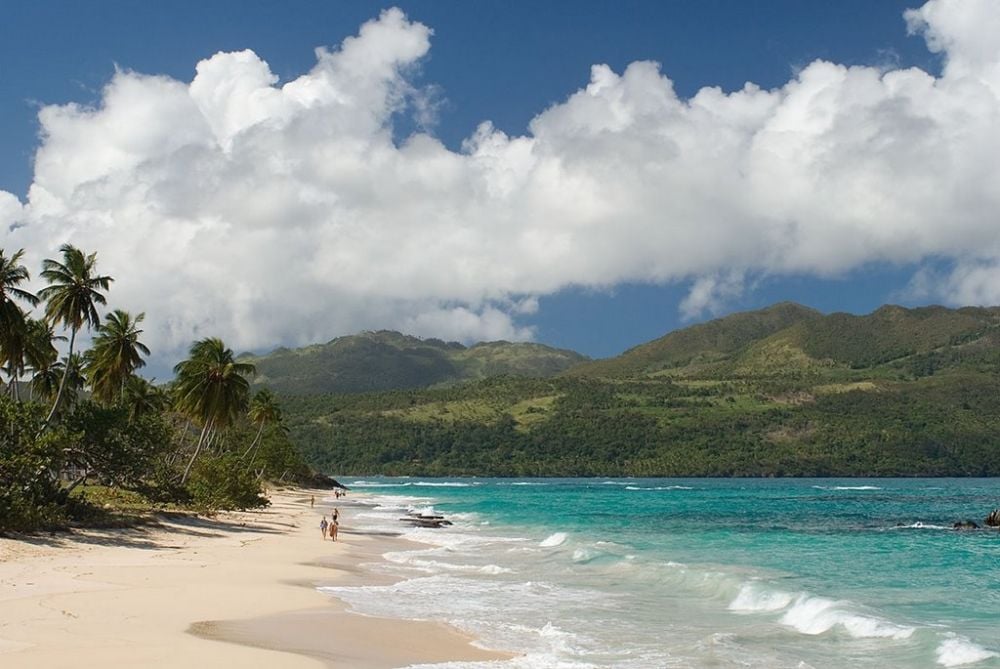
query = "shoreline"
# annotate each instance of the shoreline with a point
(240, 587)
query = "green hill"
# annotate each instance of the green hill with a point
(700, 345)
(387, 360)
(779, 392)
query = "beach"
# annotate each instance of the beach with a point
(191, 591)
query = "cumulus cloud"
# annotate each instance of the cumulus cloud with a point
(269, 212)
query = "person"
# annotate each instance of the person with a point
(312, 501)
(322, 527)
(335, 515)
(334, 526)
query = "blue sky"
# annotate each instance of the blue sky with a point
(506, 63)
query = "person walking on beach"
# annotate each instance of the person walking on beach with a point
(312, 501)
(322, 527)
(334, 526)
(335, 515)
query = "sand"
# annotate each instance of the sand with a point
(238, 588)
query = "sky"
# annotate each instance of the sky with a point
(589, 175)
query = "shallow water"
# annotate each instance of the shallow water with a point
(653, 573)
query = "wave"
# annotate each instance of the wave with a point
(373, 484)
(553, 540)
(847, 487)
(406, 484)
(753, 599)
(444, 484)
(415, 559)
(957, 651)
(525, 483)
(662, 487)
(814, 615)
(921, 526)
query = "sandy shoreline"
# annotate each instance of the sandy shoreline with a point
(199, 592)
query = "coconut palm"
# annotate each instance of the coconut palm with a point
(211, 389)
(71, 298)
(115, 355)
(141, 397)
(40, 352)
(263, 411)
(45, 381)
(12, 319)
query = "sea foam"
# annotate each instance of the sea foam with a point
(754, 599)
(553, 540)
(816, 615)
(957, 651)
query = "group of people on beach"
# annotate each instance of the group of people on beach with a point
(330, 528)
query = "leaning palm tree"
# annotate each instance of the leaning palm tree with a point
(12, 320)
(115, 355)
(263, 411)
(211, 389)
(75, 378)
(71, 298)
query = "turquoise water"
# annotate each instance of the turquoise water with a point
(697, 572)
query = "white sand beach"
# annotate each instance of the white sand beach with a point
(238, 588)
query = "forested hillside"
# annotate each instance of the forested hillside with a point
(780, 392)
(387, 360)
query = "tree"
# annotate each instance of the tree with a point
(211, 389)
(264, 411)
(40, 353)
(141, 398)
(13, 328)
(115, 355)
(71, 298)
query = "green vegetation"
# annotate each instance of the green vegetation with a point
(385, 360)
(784, 391)
(85, 434)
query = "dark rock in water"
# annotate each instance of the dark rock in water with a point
(426, 520)
(993, 520)
(966, 525)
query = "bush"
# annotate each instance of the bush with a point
(30, 495)
(117, 449)
(224, 483)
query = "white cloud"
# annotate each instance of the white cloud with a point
(269, 212)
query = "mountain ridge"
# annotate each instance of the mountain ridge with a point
(784, 391)
(388, 360)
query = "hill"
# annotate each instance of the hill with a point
(387, 360)
(701, 344)
(779, 392)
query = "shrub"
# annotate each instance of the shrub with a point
(223, 483)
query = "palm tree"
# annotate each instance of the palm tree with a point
(211, 389)
(115, 355)
(71, 298)
(40, 352)
(12, 319)
(263, 411)
(75, 378)
(141, 397)
(45, 381)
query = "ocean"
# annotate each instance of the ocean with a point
(654, 573)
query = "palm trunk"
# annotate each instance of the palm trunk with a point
(62, 383)
(197, 450)
(253, 443)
